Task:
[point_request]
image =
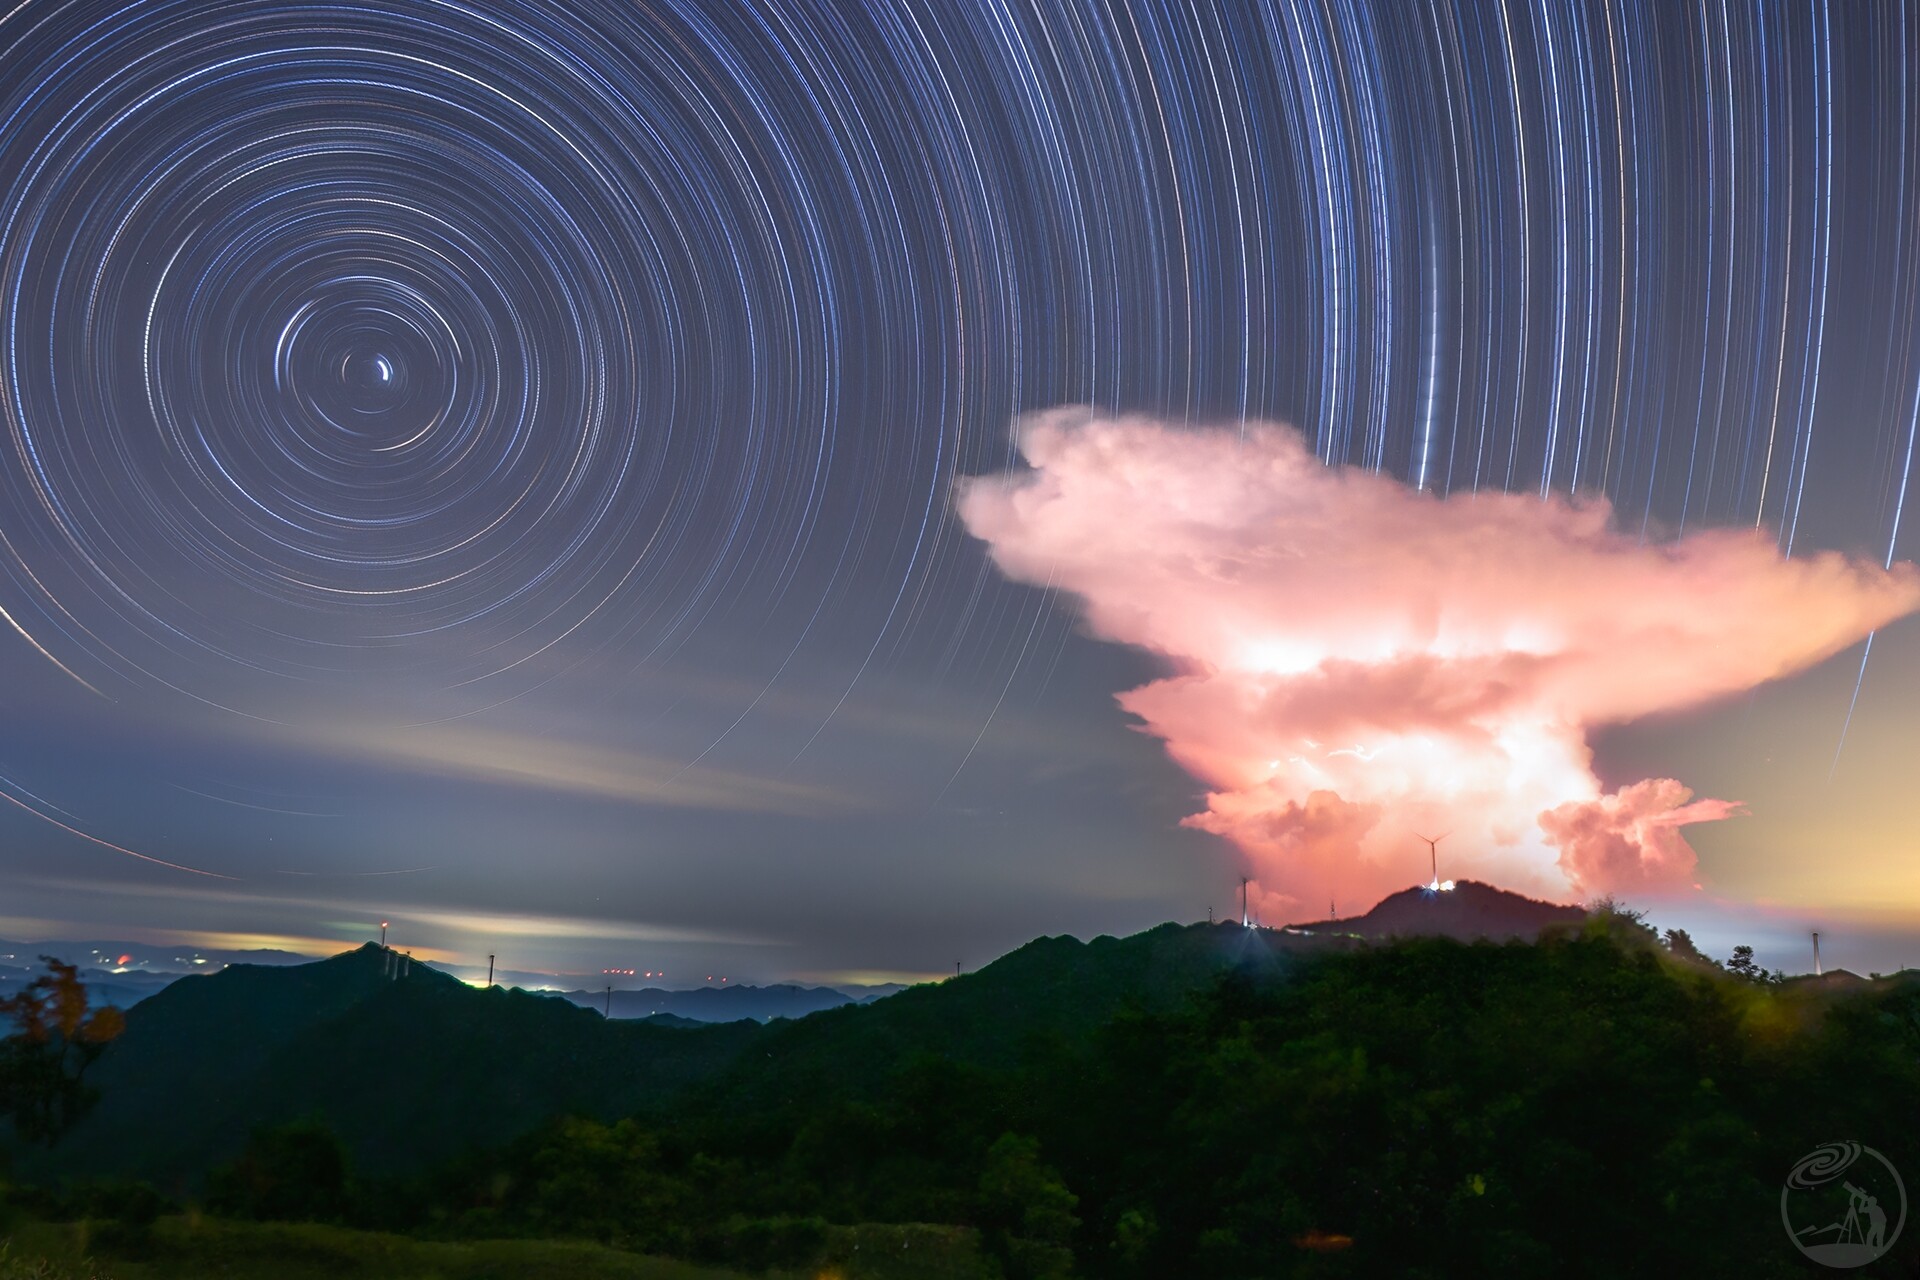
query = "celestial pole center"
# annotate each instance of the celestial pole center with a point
(432, 432)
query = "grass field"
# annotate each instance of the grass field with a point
(200, 1248)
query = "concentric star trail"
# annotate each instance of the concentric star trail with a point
(397, 356)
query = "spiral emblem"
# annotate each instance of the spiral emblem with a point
(1823, 1165)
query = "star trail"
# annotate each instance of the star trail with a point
(517, 443)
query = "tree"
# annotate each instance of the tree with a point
(43, 1064)
(1027, 1210)
(1741, 966)
(1608, 917)
(289, 1173)
(1680, 943)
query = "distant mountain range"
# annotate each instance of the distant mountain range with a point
(146, 957)
(727, 1004)
(410, 1066)
(123, 974)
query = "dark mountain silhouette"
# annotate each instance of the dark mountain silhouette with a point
(104, 987)
(123, 974)
(1495, 1107)
(1259, 1098)
(150, 957)
(1831, 980)
(1048, 991)
(408, 1065)
(1468, 911)
(717, 1004)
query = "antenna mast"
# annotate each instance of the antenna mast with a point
(1816, 953)
(1244, 918)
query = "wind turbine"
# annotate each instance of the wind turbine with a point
(1433, 856)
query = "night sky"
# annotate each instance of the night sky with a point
(507, 468)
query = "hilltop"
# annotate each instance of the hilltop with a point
(1469, 910)
(409, 1065)
(124, 973)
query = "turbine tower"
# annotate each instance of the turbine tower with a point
(1433, 857)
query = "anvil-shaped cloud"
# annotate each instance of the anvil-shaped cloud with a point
(1356, 662)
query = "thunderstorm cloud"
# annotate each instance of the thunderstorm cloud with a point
(1354, 663)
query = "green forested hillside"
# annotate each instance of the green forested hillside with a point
(1589, 1105)
(410, 1066)
(1050, 992)
(408, 1070)
(1191, 1100)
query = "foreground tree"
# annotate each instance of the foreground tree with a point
(1681, 944)
(43, 1063)
(291, 1173)
(1027, 1211)
(1742, 966)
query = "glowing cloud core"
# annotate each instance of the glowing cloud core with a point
(1357, 661)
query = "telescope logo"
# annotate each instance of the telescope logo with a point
(1843, 1205)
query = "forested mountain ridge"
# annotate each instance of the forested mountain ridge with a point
(408, 1065)
(411, 1066)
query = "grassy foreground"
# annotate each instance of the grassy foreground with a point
(182, 1248)
(194, 1247)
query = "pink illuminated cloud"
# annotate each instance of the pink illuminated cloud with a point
(1356, 661)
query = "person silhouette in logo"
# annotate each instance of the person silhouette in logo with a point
(1876, 1224)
